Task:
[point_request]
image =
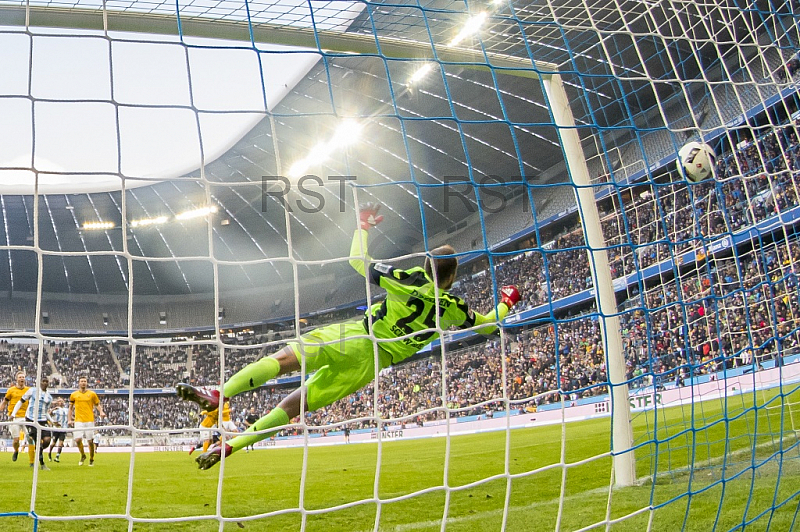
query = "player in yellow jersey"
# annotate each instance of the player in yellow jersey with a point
(211, 420)
(11, 398)
(227, 424)
(82, 403)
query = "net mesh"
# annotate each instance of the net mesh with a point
(229, 172)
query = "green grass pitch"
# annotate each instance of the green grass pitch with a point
(761, 472)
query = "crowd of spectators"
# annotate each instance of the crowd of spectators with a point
(156, 367)
(84, 359)
(659, 222)
(722, 311)
(19, 357)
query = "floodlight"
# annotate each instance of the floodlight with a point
(100, 226)
(420, 73)
(299, 168)
(346, 134)
(149, 221)
(197, 213)
(472, 26)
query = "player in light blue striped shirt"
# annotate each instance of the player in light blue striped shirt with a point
(59, 416)
(39, 401)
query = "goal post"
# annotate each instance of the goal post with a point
(622, 432)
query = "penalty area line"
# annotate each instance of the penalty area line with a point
(437, 523)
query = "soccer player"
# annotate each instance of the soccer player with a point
(10, 400)
(227, 423)
(82, 404)
(211, 420)
(38, 411)
(343, 355)
(59, 416)
(212, 439)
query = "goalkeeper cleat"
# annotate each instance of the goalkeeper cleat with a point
(209, 459)
(44, 468)
(57, 458)
(205, 397)
(83, 459)
(91, 463)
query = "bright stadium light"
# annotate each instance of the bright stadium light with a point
(471, 27)
(319, 153)
(98, 226)
(347, 133)
(420, 73)
(197, 213)
(149, 221)
(299, 168)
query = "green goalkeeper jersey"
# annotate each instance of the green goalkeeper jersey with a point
(408, 314)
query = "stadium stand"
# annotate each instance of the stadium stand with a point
(758, 285)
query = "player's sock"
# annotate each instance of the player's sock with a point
(80, 447)
(31, 454)
(206, 445)
(252, 376)
(275, 418)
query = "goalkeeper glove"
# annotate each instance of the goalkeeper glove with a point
(368, 214)
(509, 295)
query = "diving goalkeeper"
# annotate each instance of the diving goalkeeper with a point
(342, 355)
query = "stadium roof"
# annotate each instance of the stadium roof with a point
(409, 143)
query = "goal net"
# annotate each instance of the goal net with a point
(180, 182)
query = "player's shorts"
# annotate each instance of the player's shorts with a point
(58, 434)
(17, 428)
(83, 430)
(34, 432)
(230, 426)
(343, 362)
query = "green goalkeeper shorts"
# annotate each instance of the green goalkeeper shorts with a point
(343, 358)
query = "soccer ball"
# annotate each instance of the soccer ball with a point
(696, 161)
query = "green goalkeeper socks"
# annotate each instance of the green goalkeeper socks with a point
(275, 418)
(252, 376)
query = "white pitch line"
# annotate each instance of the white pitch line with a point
(488, 513)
